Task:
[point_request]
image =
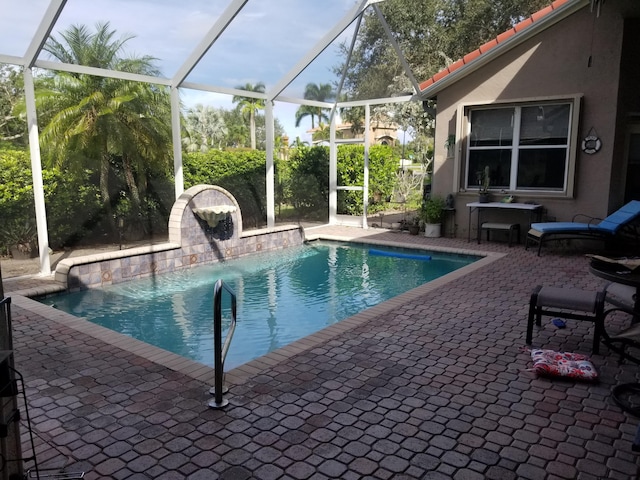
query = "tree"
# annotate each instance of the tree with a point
(205, 129)
(323, 133)
(250, 106)
(432, 36)
(96, 118)
(261, 131)
(322, 92)
(12, 128)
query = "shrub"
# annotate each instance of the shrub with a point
(241, 172)
(70, 200)
(309, 183)
(382, 173)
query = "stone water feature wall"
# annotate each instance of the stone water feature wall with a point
(205, 226)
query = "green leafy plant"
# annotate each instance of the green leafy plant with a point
(21, 236)
(450, 142)
(432, 210)
(484, 180)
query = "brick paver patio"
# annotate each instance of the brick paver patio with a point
(435, 387)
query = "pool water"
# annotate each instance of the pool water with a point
(282, 296)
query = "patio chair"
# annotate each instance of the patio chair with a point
(610, 227)
(622, 298)
(567, 303)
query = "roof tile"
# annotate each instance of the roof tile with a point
(439, 75)
(471, 56)
(527, 22)
(541, 13)
(505, 35)
(426, 83)
(488, 46)
(455, 65)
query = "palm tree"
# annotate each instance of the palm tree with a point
(322, 92)
(102, 118)
(249, 105)
(354, 116)
(205, 128)
(323, 133)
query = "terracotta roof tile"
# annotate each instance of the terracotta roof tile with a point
(506, 35)
(527, 22)
(541, 13)
(440, 74)
(426, 83)
(469, 57)
(488, 46)
(491, 44)
(455, 65)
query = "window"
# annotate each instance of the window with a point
(526, 147)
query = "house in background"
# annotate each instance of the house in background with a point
(381, 133)
(551, 106)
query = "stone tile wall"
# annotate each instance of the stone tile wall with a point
(192, 242)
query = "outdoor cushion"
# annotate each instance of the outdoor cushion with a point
(563, 364)
(552, 227)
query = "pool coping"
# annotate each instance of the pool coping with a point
(243, 373)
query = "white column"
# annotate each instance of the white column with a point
(333, 173)
(365, 184)
(36, 173)
(176, 135)
(270, 173)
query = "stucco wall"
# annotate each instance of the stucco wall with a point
(579, 55)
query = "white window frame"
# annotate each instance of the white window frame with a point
(464, 129)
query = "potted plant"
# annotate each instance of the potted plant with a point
(20, 239)
(414, 225)
(432, 212)
(484, 180)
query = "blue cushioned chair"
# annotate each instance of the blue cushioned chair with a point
(607, 228)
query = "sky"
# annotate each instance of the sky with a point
(263, 43)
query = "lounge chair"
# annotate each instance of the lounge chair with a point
(610, 227)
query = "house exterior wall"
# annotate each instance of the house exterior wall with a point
(378, 133)
(580, 55)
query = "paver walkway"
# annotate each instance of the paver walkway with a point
(436, 388)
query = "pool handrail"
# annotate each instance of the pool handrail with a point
(220, 350)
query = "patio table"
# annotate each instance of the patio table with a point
(532, 208)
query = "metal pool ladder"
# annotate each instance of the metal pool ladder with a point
(219, 349)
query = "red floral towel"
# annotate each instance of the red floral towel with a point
(563, 364)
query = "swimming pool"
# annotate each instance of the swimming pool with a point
(282, 296)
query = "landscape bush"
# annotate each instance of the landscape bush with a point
(73, 204)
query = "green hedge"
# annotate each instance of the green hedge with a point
(309, 184)
(73, 201)
(383, 165)
(70, 200)
(241, 172)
